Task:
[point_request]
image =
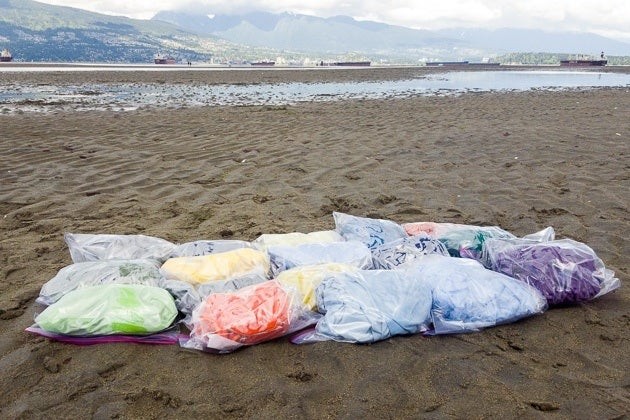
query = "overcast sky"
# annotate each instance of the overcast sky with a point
(605, 17)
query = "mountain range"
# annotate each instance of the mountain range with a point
(335, 35)
(40, 32)
(338, 34)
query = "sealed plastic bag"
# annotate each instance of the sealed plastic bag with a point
(203, 247)
(369, 306)
(110, 309)
(170, 336)
(401, 252)
(184, 294)
(262, 312)
(217, 267)
(372, 232)
(93, 273)
(468, 297)
(305, 279)
(188, 297)
(564, 271)
(460, 240)
(231, 284)
(89, 247)
(296, 238)
(352, 253)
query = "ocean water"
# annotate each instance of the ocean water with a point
(122, 97)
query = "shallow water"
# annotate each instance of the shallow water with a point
(129, 96)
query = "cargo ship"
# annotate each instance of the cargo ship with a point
(585, 61)
(5, 56)
(352, 63)
(163, 59)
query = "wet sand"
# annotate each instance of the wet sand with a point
(522, 161)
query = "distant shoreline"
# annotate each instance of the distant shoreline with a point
(241, 67)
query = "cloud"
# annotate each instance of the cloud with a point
(133, 9)
(449, 11)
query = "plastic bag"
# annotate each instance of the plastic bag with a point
(262, 312)
(564, 271)
(185, 295)
(231, 284)
(128, 309)
(545, 235)
(468, 297)
(371, 232)
(369, 306)
(401, 252)
(92, 273)
(352, 253)
(88, 247)
(188, 297)
(305, 279)
(460, 240)
(203, 247)
(170, 336)
(296, 238)
(217, 267)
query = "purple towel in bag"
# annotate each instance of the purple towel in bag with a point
(564, 271)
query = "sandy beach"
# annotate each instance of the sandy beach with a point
(522, 161)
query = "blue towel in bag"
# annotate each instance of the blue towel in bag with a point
(372, 305)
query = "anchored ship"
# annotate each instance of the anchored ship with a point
(585, 62)
(163, 59)
(5, 56)
(352, 63)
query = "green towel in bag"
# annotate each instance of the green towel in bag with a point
(110, 309)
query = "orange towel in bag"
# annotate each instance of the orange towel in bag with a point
(248, 316)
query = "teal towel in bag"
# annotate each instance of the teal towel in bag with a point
(110, 309)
